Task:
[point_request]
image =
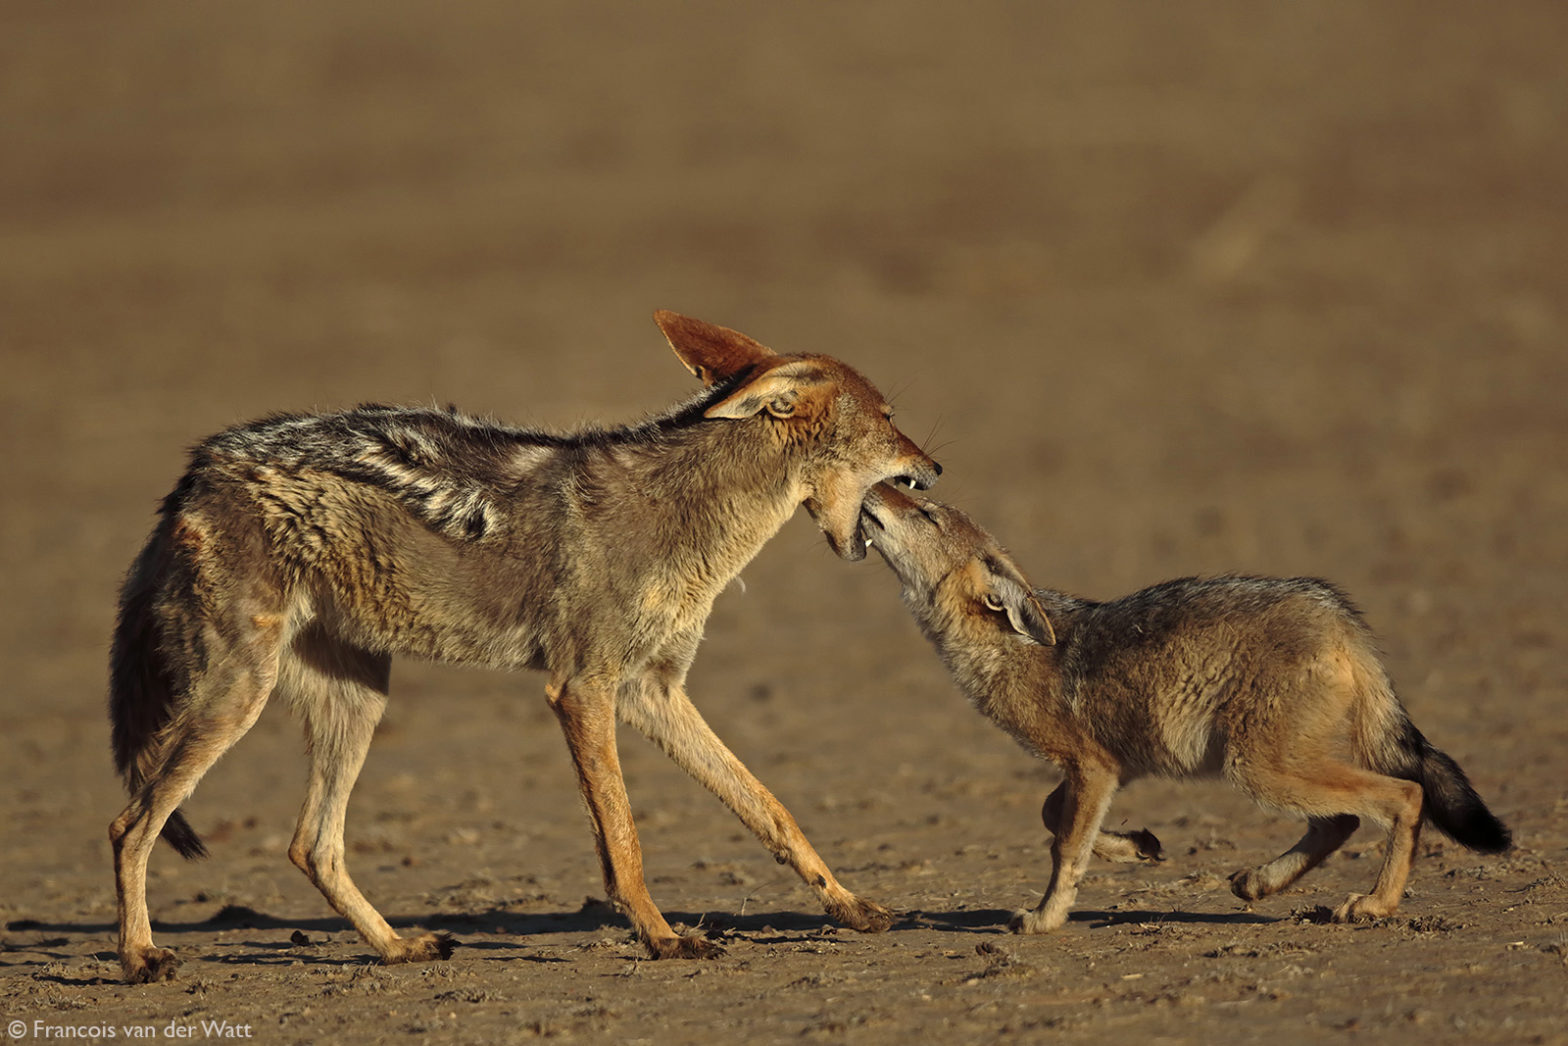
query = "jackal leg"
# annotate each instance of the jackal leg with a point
(220, 705)
(1327, 790)
(1397, 804)
(1121, 847)
(666, 715)
(1324, 836)
(1087, 795)
(587, 714)
(340, 693)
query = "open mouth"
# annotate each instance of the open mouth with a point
(869, 526)
(867, 529)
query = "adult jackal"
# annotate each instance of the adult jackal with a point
(300, 552)
(1272, 684)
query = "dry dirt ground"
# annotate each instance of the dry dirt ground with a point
(1171, 289)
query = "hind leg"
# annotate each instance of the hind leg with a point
(1389, 888)
(216, 711)
(340, 692)
(1334, 794)
(1324, 836)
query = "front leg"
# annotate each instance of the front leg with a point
(587, 715)
(1086, 796)
(664, 713)
(1117, 847)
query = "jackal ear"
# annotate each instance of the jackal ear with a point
(776, 390)
(1023, 610)
(711, 352)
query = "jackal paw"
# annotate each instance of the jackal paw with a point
(1248, 885)
(690, 947)
(1032, 920)
(861, 915)
(149, 965)
(1362, 908)
(427, 947)
(1147, 845)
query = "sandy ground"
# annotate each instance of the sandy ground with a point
(1170, 289)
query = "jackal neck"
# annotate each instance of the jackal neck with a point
(1010, 679)
(989, 670)
(717, 490)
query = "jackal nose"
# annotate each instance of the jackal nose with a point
(922, 479)
(937, 465)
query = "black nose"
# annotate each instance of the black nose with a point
(938, 466)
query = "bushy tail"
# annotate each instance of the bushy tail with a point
(1451, 802)
(141, 697)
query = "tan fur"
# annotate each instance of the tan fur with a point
(1272, 684)
(301, 552)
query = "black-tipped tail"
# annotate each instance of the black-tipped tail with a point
(178, 833)
(1451, 802)
(141, 698)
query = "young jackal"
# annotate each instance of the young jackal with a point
(1269, 683)
(300, 552)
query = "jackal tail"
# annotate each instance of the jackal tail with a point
(1451, 801)
(1391, 744)
(141, 694)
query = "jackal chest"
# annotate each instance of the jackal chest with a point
(666, 608)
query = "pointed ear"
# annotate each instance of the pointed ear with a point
(777, 391)
(711, 352)
(1023, 609)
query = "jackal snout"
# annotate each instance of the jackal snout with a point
(923, 541)
(841, 505)
(953, 572)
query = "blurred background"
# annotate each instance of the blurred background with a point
(1168, 289)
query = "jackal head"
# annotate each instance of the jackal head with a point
(960, 584)
(835, 422)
